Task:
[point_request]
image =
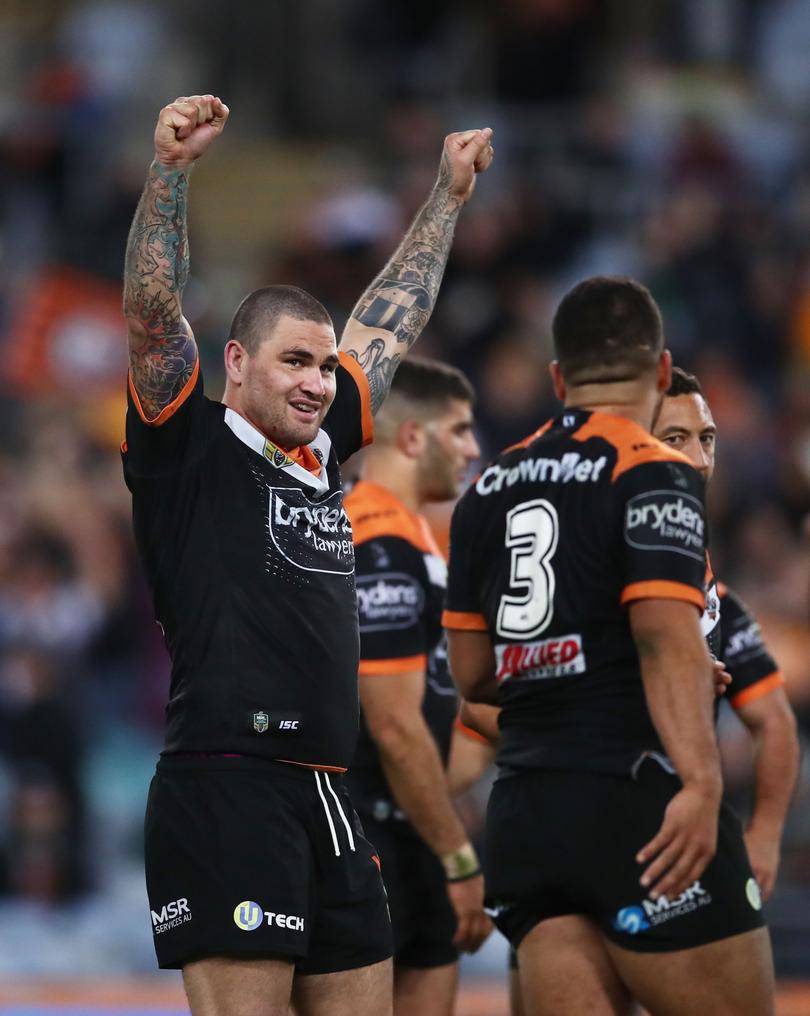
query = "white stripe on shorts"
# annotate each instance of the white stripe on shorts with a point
(326, 809)
(340, 809)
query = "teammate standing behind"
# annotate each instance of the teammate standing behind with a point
(757, 691)
(260, 882)
(575, 592)
(424, 445)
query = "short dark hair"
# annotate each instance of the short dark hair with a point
(607, 329)
(258, 314)
(684, 383)
(424, 381)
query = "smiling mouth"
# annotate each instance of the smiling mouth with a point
(307, 409)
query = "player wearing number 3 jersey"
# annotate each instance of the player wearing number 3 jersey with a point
(575, 591)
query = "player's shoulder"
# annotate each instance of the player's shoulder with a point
(633, 446)
(376, 513)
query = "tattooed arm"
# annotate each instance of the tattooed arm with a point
(390, 315)
(162, 351)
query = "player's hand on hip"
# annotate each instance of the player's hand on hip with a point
(186, 127)
(722, 678)
(464, 155)
(467, 899)
(763, 853)
(677, 856)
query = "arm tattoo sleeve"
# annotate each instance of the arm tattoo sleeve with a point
(402, 297)
(162, 352)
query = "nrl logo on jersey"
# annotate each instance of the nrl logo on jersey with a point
(276, 455)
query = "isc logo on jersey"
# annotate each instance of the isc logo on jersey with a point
(664, 520)
(388, 600)
(554, 657)
(649, 913)
(249, 916)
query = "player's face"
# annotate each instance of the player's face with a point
(289, 382)
(685, 422)
(450, 450)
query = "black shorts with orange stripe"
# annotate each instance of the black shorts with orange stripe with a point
(253, 858)
(549, 546)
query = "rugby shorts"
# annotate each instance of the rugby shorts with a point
(422, 918)
(565, 843)
(252, 858)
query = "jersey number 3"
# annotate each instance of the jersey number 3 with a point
(531, 535)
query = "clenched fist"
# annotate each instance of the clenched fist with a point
(465, 154)
(186, 127)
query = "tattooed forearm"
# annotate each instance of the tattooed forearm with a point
(402, 297)
(162, 350)
(379, 370)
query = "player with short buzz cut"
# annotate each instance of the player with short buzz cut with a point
(757, 692)
(261, 885)
(424, 445)
(575, 595)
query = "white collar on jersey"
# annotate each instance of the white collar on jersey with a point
(277, 457)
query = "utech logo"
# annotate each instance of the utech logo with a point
(632, 920)
(248, 916)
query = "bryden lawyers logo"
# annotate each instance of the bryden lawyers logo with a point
(388, 600)
(312, 535)
(664, 520)
(249, 916)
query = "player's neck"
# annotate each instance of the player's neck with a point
(619, 400)
(396, 476)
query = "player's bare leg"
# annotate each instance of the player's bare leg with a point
(565, 971)
(425, 991)
(516, 1006)
(732, 977)
(365, 991)
(223, 986)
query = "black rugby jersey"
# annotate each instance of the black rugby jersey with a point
(401, 579)
(250, 562)
(547, 548)
(733, 636)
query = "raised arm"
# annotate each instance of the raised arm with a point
(162, 351)
(390, 315)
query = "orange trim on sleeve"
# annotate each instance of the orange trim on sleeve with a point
(396, 665)
(360, 379)
(633, 444)
(661, 589)
(763, 687)
(528, 440)
(168, 411)
(722, 589)
(460, 620)
(473, 735)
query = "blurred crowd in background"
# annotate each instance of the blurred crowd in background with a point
(664, 139)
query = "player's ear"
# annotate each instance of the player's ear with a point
(663, 379)
(235, 358)
(560, 389)
(411, 438)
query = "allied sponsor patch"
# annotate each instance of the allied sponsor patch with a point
(665, 520)
(553, 657)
